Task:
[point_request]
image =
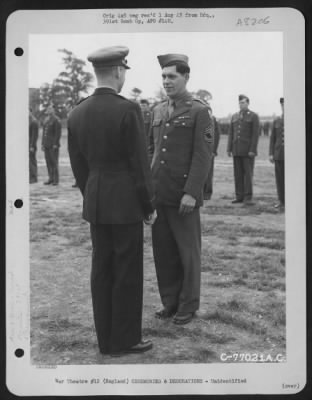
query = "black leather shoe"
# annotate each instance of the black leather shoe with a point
(47, 183)
(235, 201)
(165, 313)
(141, 347)
(183, 318)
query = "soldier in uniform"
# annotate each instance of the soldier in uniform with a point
(33, 137)
(181, 151)
(276, 155)
(146, 112)
(51, 136)
(216, 138)
(108, 155)
(242, 145)
(266, 128)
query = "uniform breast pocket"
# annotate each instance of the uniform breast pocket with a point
(156, 125)
(183, 123)
(248, 121)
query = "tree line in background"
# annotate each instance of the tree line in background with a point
(73, 84)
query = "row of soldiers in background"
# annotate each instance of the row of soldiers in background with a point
(243, 132)
(265, 127)
(50, 144)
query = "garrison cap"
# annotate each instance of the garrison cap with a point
(282, 100)
(166, 59)
(109, 57)
(242, 97)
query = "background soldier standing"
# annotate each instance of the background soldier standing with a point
(147, 115)
(33, 137)
(181, 149)
(266, 128)
(242, 144)
(216, 138)
(107, 149)
(51, 135)
(276, 154)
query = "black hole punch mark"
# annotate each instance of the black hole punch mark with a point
(18, 203)
(19, 353)
(18, 51)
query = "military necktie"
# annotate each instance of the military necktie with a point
(171, 107)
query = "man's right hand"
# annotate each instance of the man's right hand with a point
(229, 153)
(271, 158)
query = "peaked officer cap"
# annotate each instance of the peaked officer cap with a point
(109, 57)
(282, 100)
(166, 59)
(242, 97)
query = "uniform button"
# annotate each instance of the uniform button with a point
(185, 175)
(238, 137)
(165, 137)
(167, 124)
(162, 162)
(163, 149)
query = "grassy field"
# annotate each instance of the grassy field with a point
(243, 276)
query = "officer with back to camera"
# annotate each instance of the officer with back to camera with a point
(108, 155)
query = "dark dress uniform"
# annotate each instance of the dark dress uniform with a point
(216, 138)
(51, 136)
(181, 150)
(33, 137)
(243, 138)
(277, 151)
(108, 154)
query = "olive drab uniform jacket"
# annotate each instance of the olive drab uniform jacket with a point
(181, 150)
(277, 139)
(243, 133)
(108, 154)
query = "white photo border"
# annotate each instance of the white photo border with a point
(275, 378)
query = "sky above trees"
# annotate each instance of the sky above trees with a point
(224, 63)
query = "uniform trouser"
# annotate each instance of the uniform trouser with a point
(117, 284)
(33, 170)
(52, 158)
(243, 176)
(209, 180)
(280, 180)
(177, 252)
